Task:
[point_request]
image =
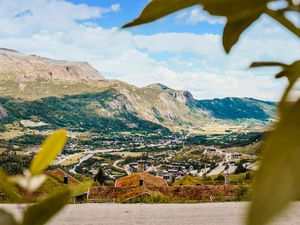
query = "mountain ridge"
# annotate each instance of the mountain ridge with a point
(84, 92)
(23, 68)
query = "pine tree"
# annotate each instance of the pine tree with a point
(100, 176)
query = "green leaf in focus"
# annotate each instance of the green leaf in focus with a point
(278, 179)
(52, 147)
(39, 214)
(157, 9)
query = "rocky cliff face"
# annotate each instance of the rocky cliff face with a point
(37, 85)
(3, 112)
(23, 68)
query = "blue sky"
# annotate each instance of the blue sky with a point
(132, 8)
(183, 51)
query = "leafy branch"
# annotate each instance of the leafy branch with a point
(40, 213)
(278, 179)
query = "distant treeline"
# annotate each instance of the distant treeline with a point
(21, 142)
(14, 164)
(226, 140)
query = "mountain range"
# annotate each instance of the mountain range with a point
(57, 93)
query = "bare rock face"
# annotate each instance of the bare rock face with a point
(22, 68)
(188, 95)
(158, 86)
(3, 112)
(120, 104)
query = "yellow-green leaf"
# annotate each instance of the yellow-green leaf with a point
(39, 214)
(52, 147)
(277, 181)
(6, 218)
(28, 182)
(157, 9)
(82, 188)
(8, 187)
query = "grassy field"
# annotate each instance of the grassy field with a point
(73, 160)
(126, 154)
(234, 178)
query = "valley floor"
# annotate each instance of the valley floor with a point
(156, 214)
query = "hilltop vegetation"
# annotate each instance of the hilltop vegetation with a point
(51, 94)
(236, 108)
(14, 164)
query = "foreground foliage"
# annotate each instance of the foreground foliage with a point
(277, 181)
(40, 213)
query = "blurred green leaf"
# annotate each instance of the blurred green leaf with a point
(157, 9)
(280, 17)
(277, 181)
(8, 187)
(7, 218)
(240, 14)
(82, 188)
(28, 182)
(234, 29)
(52, 147)
(291, 72)
(263, 64)
(39, 214)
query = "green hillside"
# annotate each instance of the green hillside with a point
(74, 95)
(124, 107)
(238, 108)
(87, 112)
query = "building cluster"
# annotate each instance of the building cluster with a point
(172, 171)
(138, 186)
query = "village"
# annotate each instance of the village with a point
(171, 170)
(170, 165)
(152, 167)
(205, 174)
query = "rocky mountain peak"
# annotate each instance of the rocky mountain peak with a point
(23, 68)
(158, 86)
(188, 95)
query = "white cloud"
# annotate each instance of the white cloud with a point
(116, 7)
(197, 15)
(195, 62)
(23, 17)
